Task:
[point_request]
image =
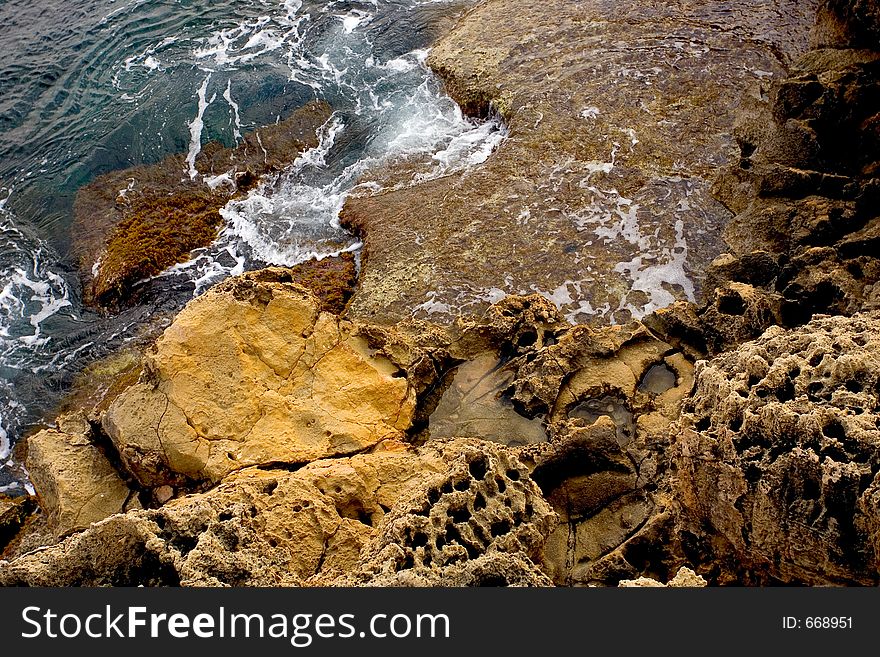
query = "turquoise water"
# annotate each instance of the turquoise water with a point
(89, 86)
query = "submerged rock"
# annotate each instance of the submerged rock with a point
(780, 454)
(132, 224)
(474, 405)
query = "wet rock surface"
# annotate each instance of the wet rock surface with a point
(475, 406)
(599, 197)
(132, 224)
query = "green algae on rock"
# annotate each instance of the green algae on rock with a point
(132, 224)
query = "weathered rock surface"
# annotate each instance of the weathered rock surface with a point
(253, 373)
(684, 578)
(14, 511)
(805, 187)
(780, 453)
(258, 528)
(609, 396)
(475, 405)
(599, 197)
(848, 23)
(733, 313)
(75, 482)
(481, 522)
(132, 224)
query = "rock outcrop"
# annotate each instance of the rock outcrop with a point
(279, 443)
(258, 528)
(483, 521)
(132, 224)
(599, 197)
(253, 373)
(76, 484)
(805, 187)
(780, 452)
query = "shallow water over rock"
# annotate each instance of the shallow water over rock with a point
(475, 405)
(618, 115)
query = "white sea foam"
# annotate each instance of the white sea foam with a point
(30, 294)
(195, 128)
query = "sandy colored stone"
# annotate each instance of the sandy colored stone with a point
(76, 485)
(483, 504)
(684, 578)
(254, 373)
(780, 452)
(258, 528)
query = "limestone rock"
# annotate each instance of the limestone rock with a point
(805, 188)
(76, 485)
(848, 23)
(452, 528)
(780, 453)
(253, 373)
(614, 131)
(14, 511)
(684, 578)
(474, 405)
(258, 528)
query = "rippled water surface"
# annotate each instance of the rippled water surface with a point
(90, 86)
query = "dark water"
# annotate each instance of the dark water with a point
(89, 86)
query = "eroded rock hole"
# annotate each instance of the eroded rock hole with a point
(854, 386)
(658, 379)
(611, 406)
(460, 515)
(500, 528)
(731, 303)
(478, 468)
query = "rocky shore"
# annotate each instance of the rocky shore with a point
(303, 427)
